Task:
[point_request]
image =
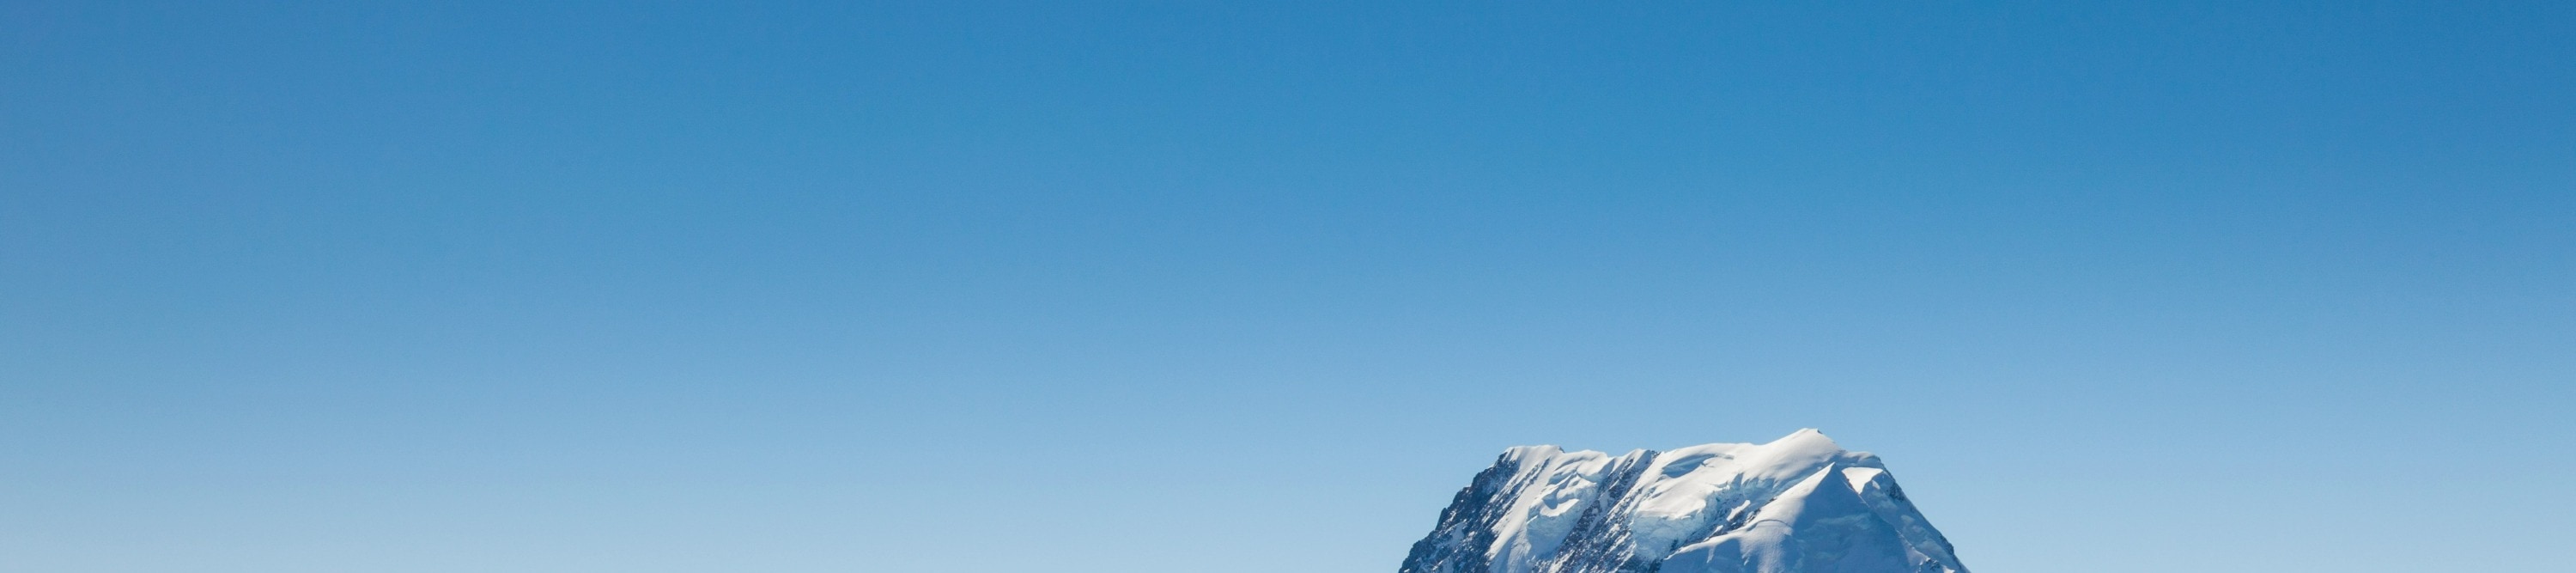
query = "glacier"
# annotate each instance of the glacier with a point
(1800, 504)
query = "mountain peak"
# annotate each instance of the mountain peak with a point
(1796, 504)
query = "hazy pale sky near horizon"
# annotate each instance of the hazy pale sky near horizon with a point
(1174, 287)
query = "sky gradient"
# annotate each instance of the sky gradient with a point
(1170, 287)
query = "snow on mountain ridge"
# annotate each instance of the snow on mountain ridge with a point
(1801, 503)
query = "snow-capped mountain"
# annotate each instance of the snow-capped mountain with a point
(1800, 504)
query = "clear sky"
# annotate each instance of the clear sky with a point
(1091, 286)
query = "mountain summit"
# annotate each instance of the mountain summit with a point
(1800, 504)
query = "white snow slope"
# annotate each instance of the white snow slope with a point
(1800, 504)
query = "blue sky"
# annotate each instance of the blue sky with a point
(1187, 287)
